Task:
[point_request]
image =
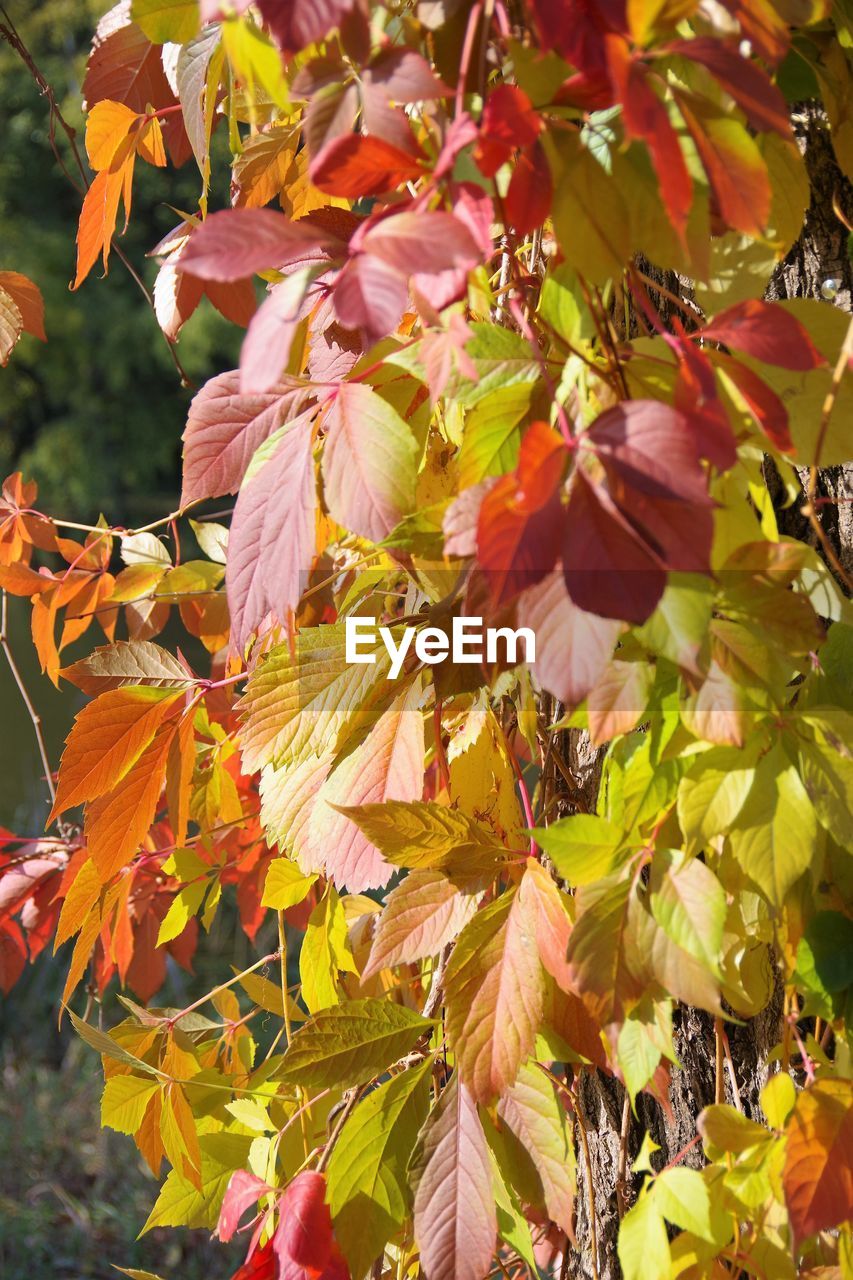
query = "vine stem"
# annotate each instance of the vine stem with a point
(810, 509)
(35, 718)
(593, 1222)
(719, 1063)
(352, 1098)
(622, 1168)
(288, 1027)
(223, 986)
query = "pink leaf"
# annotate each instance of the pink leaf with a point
(235, 243)
(266, 347)
(455, 1222)
(370, 296)
(572, 647)
(272, 540)
(388, 764)
(423, 241)
(244, 1191)
(225, 427)
(368, 462)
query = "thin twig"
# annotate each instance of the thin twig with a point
(35, 718)
(9, 33)
(622, 1168)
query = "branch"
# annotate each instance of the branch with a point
(9, 33)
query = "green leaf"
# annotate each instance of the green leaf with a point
(107, 1047)
(714, 790)
(590, 213)
(775, 838)
(689, 904)
(307, 702)
(643, 1245)
(501, 357)
(367, 1186)
(583, 848)
(491, 437)
(778, 1098)
(165, 21)
(180, 1204)
(644, 1038)
(285, 885)
(825, 962)
(125, 1101)
(563, 307)
(185, 904)
(725, 1129)
(351, 1043)
(679, 625)
(683, 1197)
(325, 951)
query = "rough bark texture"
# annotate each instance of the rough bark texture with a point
(820, 254)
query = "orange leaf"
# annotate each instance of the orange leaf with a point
(107, 738)
(108, 131)
(178, 1131)
(27, 298)
(98, 215)
(818, 1175)
(117, 823)
(179, 773)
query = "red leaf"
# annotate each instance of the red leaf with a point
(303, 1241)
(761, 102)
(765, 331)
(520, 520)
(259, 1265)
(508, 122)
(531, 189)
(244, 1190)
(647, 118)
(732, 162)
(696, 397)
(224, 428)
(357, 165)
(609, 569)
(235, 243)
(272, 540)
(764, 404)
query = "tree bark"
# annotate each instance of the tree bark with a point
(613, 1137)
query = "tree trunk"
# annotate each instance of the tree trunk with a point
(613, 1135)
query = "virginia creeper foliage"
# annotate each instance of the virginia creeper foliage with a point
(501, 269)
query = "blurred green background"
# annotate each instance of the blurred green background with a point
(95, 417)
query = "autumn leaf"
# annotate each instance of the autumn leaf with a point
(455, 1224)
(818, 1178)
(495, 990)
